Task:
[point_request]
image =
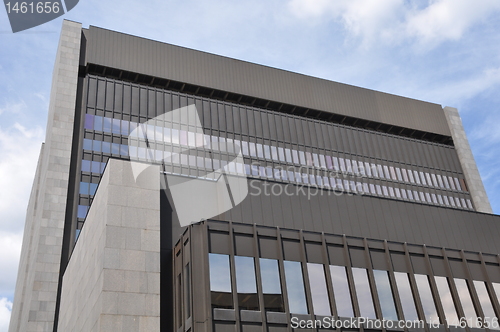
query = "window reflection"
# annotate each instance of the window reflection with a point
(484, 299)
(246, 284)
(363, 292)
(466, 300)
(424, 290)
(341, 291)
(385, 296)
(446, 300)
(406, 296)
(220, 280)
(271, 286)
(295, 287)
(319, 293)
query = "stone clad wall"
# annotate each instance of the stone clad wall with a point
(112, 282)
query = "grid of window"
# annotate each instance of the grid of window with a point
(308, 169)
(368, 162)
(349, 285)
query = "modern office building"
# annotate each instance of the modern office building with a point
(184, 191)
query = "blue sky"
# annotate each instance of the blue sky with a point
(442, 51)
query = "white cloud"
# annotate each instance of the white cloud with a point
(5, 311)
(10, 251)
(397, 20)
(19, 150)
(15, 108)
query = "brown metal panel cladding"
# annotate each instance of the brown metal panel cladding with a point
(476, 270)
(291, 250)
(379, 260)
(438, 266)
(279, 212)
(458, 268)
(268, 247)
(244, 245)
(419, 264)
(219, 242)
(336, 255)
(358, 257)
(172, 62)
(400, 263)
(493, 271)
(258, 123)
(314, 252)
(314, 217)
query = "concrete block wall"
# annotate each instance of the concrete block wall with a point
(112, 282)
(36, 289)
(469, 166)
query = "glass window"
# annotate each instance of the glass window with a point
(84, 188)
(220, 275)
(85, 165)
(267, 152)
(274, 153)
(410, 194)
(410, 176)
(348, 165)
(246, 284)
(309, 159)
(253, 151)
(372, 189)
(302, 157)
(406, 296)
(295, 155)
(466, 300)
(385, 296)
(295, 287)
(469, 204)
(393, 173)
(87, 144)
(92, 188)
(387, 174)
(82, 211)
(288, 155)
(484, 299)
(446, 300)
(220, 281)
(428, 179)
(187, 290)
(440, 180)
(424, 290)
(322, 161)
(385, 191)
(368, 169)
(417, 177)
(271, 286)
(434, 180)
(341, 291)
(405, 174)
(260, 152)
(329, 162)
(316, 160)
(98, 123)
(363, 292)
(380, 171)
(342, 165)
(89, 122)
(244, 148)
(336, 166)
(452, 183)
(319, 293)
(281, 154)
(422, 178)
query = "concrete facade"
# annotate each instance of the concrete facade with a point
(112, 282)
(34, 307)
(469, 166)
